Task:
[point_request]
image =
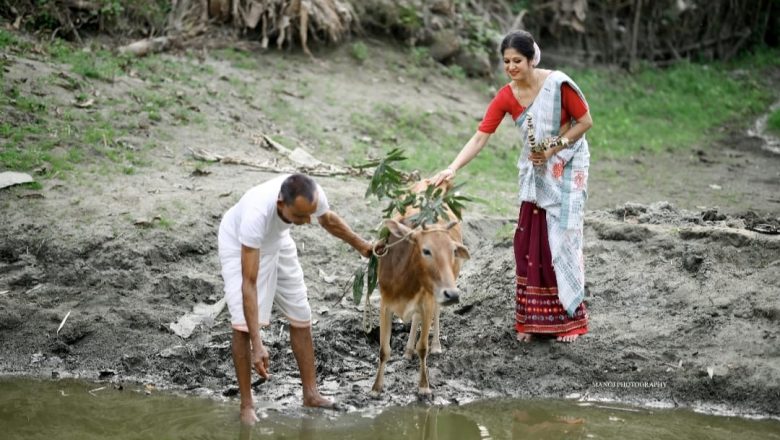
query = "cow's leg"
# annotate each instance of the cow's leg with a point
(385, 323)
(436, 343)
(424, 388)
(410, 344)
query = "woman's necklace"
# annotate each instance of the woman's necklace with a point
(531, 91)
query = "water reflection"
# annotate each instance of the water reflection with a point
(65, 410)
(542, 423)
(245, 433)
(423, 423)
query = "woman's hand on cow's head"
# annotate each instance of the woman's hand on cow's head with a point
(441, 176)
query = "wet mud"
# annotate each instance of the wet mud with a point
(683, 311)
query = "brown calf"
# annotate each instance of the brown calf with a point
(416, 276)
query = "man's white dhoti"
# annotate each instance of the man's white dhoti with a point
(255, 222)
(279, 280)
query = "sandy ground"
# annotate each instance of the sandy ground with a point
(682, 293)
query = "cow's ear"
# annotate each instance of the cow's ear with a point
(397, 229)
(462, 252)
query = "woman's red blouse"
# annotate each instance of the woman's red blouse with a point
(505, 102)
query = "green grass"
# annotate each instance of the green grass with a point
(238, 58)
(93, 64)
(32, 185)
(671, 109)
(421, 56)
(160, 69)
(455, 71)
(359, 51)
(7, 39)
(773, 123)
(58, 145)
(164, 223)
(410, 17)
(54, 136)
(41, 133)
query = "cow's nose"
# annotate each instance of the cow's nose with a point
(450, 296)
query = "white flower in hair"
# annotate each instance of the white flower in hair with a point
(537, 55)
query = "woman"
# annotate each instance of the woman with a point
(549, 107)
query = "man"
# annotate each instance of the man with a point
(260, 266)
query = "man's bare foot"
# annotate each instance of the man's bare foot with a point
(524, 337)
(318, 401)
(567, 339)
(248, 415)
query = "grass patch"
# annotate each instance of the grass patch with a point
(671, 109)
(160, 69)
(237, 58)
(35, 136)
(455, 71)
(165, 223)
(773, 123)
(32, 186)
(29, 105)
(156, 102)
(359, 51)
(7, 39)
(51, 136)
(93, 64)
(421, 56)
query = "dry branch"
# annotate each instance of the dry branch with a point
(145, 47)
(298, 160)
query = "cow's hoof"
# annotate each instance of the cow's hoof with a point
(436, 350)
(425, 395)
(424, 392)
(408, 354)
(375, 394)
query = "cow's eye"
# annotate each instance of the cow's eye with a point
(427, 252)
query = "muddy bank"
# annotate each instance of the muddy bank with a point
(684, 300)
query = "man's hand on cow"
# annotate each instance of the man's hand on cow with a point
(260, 360)
(366, 249)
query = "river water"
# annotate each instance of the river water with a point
(69, 409)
